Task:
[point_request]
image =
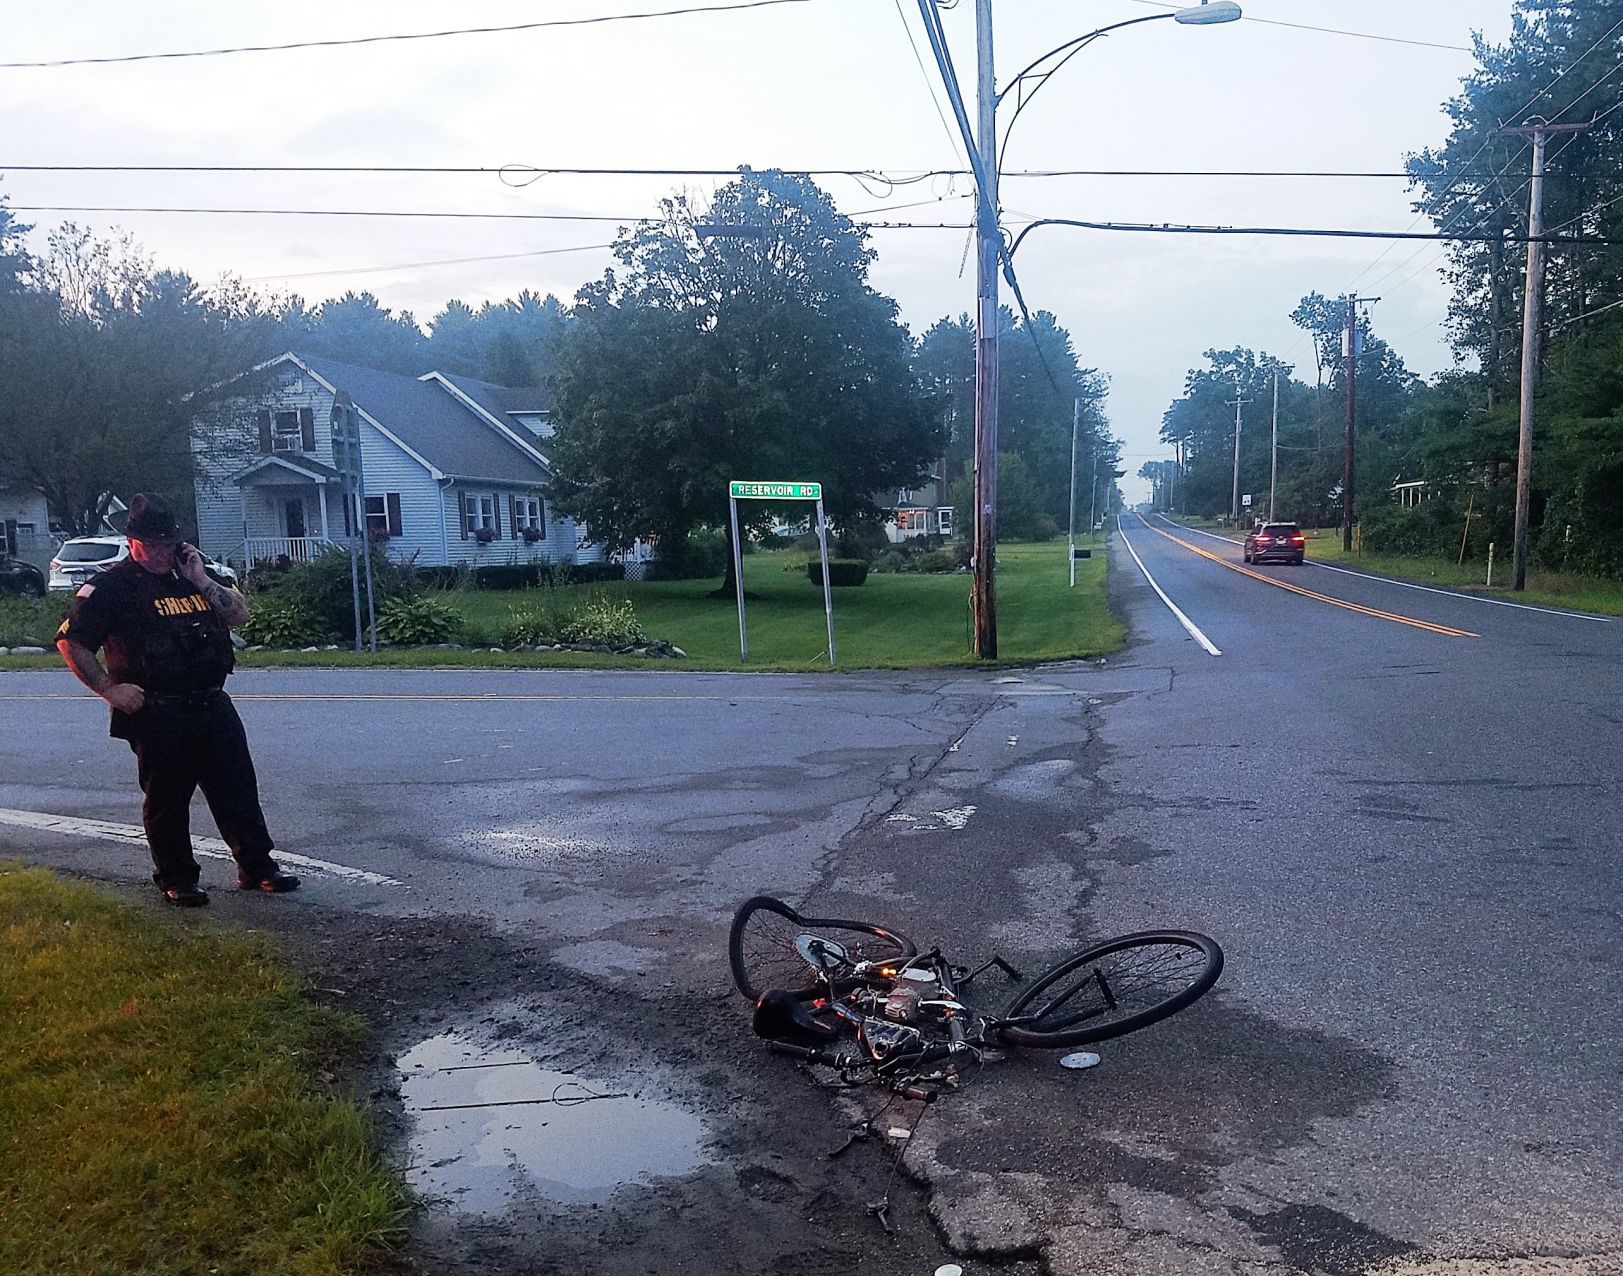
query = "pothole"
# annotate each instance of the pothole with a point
(490, 1122)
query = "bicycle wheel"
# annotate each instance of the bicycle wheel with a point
(763, 953)
(1113, 988)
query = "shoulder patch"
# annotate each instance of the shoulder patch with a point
(85, 590)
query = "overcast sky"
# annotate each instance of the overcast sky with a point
(818, 84)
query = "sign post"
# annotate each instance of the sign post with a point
(743, 490)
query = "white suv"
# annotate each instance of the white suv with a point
(83, 557)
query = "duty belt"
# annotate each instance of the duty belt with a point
(187, 699)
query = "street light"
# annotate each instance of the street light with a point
(991, 251)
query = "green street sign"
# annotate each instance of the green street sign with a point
(740, 490)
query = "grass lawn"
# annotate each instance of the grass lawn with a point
(158, 1111)
(1544, 588)
(891, 621)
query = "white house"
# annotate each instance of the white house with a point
(451, 470)
(913, 512)
(25, 526)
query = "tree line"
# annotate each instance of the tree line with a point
(1458, 433)
(735, 336)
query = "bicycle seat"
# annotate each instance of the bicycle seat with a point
(781, 1016)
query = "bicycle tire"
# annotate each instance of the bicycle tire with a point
(761, 946)
(1164, 972)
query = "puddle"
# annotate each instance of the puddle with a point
(490, 1121)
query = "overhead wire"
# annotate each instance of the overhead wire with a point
(395, 37)
(1304, 26)
(952, 136)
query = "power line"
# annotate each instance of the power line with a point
(952, 137)
(1166, 228)
(396, 212)
(1357, 35)
(534, 172)
(418, 265)
(408, 35)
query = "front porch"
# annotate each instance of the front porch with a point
(260, 550)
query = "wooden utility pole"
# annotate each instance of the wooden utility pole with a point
(1234, 505)
(983, 590)
(1532, 308)
(1350, 344)
(1273, 467)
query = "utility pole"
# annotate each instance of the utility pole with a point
(983, 592)
(1234, 507)
(1350, 345)
(1273, 469)
(1070, 537)
(1093, 494)
(1532, 308)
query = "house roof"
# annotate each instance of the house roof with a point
(501, 400)
(431, 422)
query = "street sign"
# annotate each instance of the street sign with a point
(740, 490)
(1246, 500)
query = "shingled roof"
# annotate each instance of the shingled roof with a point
(432, 422)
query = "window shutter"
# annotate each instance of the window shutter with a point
(512, 514)
(307, 429)
(541, 516)
(496, 513)
(349, 527)
(392, 500)
(264, 430)
(464, 519)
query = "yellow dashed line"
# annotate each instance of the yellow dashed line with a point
(1393, 616)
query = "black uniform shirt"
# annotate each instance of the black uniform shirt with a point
(159, 631)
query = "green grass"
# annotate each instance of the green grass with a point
(158, 1111)
(892, 621)
(30, 622)
(1544, 588)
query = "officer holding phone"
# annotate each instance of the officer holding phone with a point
(166, 626)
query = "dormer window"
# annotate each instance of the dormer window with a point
(286, 436)
(538, 422)
(287, 430)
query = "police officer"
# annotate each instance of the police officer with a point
(166, 626)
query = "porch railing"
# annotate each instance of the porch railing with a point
(271, 549)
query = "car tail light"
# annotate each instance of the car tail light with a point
(1298, 540)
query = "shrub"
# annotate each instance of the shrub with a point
(31, 622)
(323, 590)
(702, 554)
(865, 539)
(894, 560)
(507, 576)
(539, 618)
(415, 621)
(841, 571)
(937, 561)
(277, 620)
(599, 619)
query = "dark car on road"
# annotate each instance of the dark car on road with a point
(1275, 543)
(18, 577)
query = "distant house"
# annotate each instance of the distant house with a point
(912, 512)
(1411, 493)
(452, 470)
(25, 525)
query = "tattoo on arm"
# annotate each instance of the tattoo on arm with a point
(231, 605)
(86, 668)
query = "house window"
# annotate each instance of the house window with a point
(286, 435)
(944, 519)
(913, 520)
(382, 516)
(529, 515)
(479, 515)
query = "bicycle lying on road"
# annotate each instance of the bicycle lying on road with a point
(861, 999)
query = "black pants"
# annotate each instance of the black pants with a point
(179, 748)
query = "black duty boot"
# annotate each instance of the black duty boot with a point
(274, 882)
(185, 896)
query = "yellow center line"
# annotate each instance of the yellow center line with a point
(1393, 616)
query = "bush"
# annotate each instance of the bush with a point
(865, 539)
(415, 621)
(937, 561)
(32, 622)
(703, 554)
(507, 576)
(277, 620)
(322, 589)
(894, 560)
(599, 619)
(841, 571)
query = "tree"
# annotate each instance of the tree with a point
(357, 328)
(759, 352)
(106, 361)
(14, 261)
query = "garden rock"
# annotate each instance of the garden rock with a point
(28, 651)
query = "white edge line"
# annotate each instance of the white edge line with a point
(208, 847)
(1470, 598)
(1409, 584)
(1194, 631)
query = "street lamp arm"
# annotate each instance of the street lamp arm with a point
(1072, 44)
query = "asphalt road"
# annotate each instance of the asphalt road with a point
(1401, 826)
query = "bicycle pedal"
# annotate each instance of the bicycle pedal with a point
(881, 1211)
